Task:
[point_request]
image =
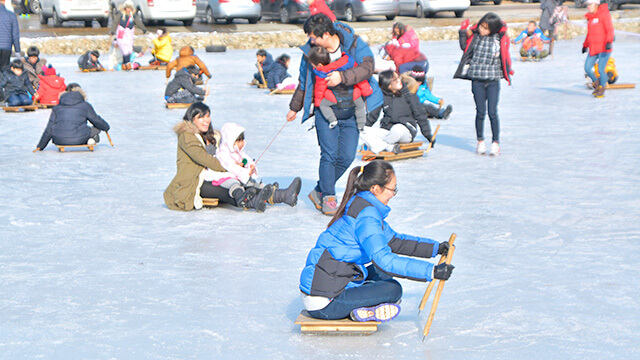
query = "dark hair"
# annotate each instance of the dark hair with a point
(385, 79)
(17, 64)
(261, 52)
(402, 28)
(33, 51)
(240, 137)
(493, 22)
(533, 22)
(163, 29)
(377, 172)
(318, 25)
(72, 86)
(319, 56)
(282, 59)
(192, 69)
(198, 109)
(95, 53)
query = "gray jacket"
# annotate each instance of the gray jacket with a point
(183, 80)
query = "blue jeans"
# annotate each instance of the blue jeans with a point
(337, 151)
(378, 288)
(602, 60)
(409, 65)
(19, 100)
(486, 95)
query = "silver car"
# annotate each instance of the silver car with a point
(421, 8)
(353, 10)
(66, 10)
(214, 10)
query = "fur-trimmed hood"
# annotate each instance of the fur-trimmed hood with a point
(185, 127)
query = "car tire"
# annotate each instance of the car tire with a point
(613, 5)
(284, 15)
(43, 19)
(497, 2)
(253, 20)
(34, 6)
(210, 19)
(419, 11)
(104, 22)
(57, 22)
(88, 23)
(459, 13)
(144, 20)
(228, 20)
(579, 3)
(216, 48)
(187, 22)
(390, 17)
(349, 15)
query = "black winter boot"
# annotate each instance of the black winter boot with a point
(259, 202)
(242, 197)
(289, 195)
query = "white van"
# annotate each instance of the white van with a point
(160, 10)
(67, 10)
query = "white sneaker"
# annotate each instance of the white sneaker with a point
(481, 149)
(495, 149)
(91, 141)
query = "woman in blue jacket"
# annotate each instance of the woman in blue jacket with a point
(350, 270)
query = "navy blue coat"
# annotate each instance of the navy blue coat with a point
(14, 84)
(276, 75)
(9, 30)
(362, 236)
(68, 121)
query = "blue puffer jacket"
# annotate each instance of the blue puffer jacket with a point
(277, 74)
(359, 237)
(357, 49)
(68, 121)
(9, 30)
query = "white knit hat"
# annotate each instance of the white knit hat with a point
(597, 2)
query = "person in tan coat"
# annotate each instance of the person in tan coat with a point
(185, 59)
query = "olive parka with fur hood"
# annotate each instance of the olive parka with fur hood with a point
(184, 191)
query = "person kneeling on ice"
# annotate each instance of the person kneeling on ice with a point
(336, 281)
(532, 42)
(241, 177)
(68, 121)
(403, 113)
(89, 61)
(162, 49)
(16, 85)
(51, 86)
(185, 79)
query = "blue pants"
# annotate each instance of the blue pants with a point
(486, 95)
(378, 288)
(602, 60)
(338, 147)
(19, 100)
(408, 66)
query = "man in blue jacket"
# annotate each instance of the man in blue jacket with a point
(338, 144)
(9, 36)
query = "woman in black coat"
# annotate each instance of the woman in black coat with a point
(68, 121)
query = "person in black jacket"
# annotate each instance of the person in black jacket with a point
(68, 121)
(185, 79)
(16, 85)
(402, 114)
(89, 60)
(279, 71)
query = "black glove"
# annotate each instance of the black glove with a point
(584, 49)
(443, 248)
(442, 271)
(607, 46)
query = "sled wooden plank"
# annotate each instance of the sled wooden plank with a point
(410, 145)
(92, 70)
(153, 67)
(177, 105)
(282, 92)
(44, 106)
(309, 324)
(621, 86)
(62, 148)
(389, 156)
(20, 108)
(209, 202)
(430, 83)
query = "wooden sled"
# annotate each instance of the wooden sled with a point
(88, 147)
(621, 86)
(282, 92)
(212, 202)
(91, 70)
(153, 67)
(177, 105)
(23, 108)
(311, 325)
(389, 156)
(199, 82)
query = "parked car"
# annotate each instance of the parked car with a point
(213, 10)
(160, 10)
(285, 10)
(69, 10)
(24, 6)
(476, 2)
(353, 10)
(421, 8)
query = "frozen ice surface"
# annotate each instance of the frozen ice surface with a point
(94, 266)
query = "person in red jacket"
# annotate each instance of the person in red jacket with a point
(320, 7)
(406, 58)
(341, 95)
(51, 86)
(599, 41)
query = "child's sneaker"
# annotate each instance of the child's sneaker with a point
(329, 205)
(316, 199)
(383, 312)
(481, 149)
(495, 149)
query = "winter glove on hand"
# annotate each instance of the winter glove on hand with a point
(584, 49)
(443, 248)
(608, 46)
(442, 271)
(465, 24)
